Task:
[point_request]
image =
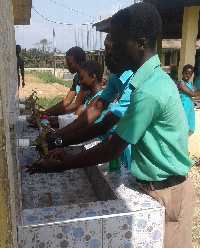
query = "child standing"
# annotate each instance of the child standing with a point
(187, 90)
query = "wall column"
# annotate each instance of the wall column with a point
(9, 207)
(159, 46)
(189, 35)
(174, 56)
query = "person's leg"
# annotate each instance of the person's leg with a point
(18, 81)
(179, 203)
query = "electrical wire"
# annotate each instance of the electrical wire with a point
(70, 24)
(72, 9)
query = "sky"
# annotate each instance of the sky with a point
(49, 15)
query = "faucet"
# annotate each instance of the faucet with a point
(40, 140)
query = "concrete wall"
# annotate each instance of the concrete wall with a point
(194, 138)
(58, 72)
(8, 161)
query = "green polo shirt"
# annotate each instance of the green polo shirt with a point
(155, 125)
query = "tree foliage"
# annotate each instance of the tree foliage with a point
(34, 58)
(40, 57)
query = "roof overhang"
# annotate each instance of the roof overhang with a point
(103, 25)
(22, 11)
(171, 12)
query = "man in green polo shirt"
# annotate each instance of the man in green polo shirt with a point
(154, 124)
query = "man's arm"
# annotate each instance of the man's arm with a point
(79, 110)
(64, 103)
(104, 152)
(67, 101)
(88, 116)
(92, 130)
(79, 101)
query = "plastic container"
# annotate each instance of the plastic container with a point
(65, 120)
(114, 165)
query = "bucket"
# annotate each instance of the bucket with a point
(65, 120)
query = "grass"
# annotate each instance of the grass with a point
(49, 102)
(48, 77)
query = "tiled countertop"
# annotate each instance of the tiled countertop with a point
(108, 206)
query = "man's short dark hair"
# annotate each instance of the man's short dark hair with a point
(140, 20)
(93, 67)
(77, 53)
(188, 66)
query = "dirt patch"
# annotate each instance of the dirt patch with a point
(42, 89)
(194, 174)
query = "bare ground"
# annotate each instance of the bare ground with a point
(55, 89)
(194, 174)
(42, 89)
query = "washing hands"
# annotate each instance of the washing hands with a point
(53, 163)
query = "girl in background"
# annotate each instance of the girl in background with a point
(187, 90)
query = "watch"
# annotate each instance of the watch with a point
(58, 142)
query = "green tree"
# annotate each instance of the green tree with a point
(44, 44)
(35, 58)
(41, 56)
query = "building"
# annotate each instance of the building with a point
(180, 23)
(11, 12)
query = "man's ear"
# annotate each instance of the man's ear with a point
(93, 77)
(142, 43)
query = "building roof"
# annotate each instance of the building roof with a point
(171, 12)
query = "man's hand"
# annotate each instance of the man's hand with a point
(50, 140)
(46, 166)
(53, 163)
(59, 154)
